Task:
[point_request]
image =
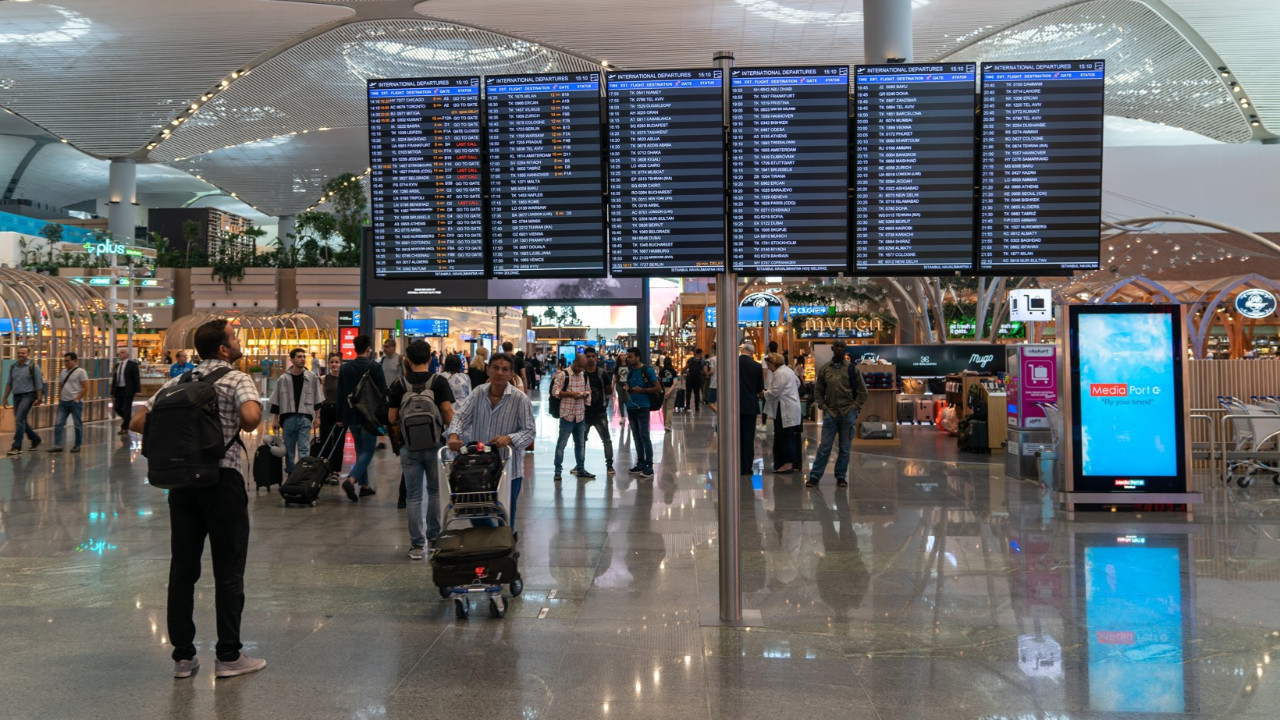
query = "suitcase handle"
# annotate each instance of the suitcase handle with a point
(324, 446)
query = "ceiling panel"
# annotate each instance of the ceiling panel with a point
(109, 74)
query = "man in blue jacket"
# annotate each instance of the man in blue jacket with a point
(364, 439)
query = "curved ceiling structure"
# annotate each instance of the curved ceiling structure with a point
(264, 99)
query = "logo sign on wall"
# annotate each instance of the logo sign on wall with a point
(1256, 304)
(934, 360)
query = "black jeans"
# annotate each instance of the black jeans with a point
(746, 442)
(221, 513)
(600, 423)
(643, 444)
(693, 390)
(123, 406)
(786, 444)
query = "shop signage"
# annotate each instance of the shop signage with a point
(748, 316)
(965, 329)
(348, 318)
(347, 341)
(934, 360)
(804, 310)
(847, 326)
(105, 281)
(1256, 304)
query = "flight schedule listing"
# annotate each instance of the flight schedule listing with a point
(665, 131)
(425, 185)
(913, 168)
(789, 170)
(1040, 184)
(546, 214)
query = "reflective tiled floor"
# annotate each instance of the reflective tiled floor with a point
(936, 587)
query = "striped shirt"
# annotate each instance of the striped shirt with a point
(479, 420)
(573, 409)
(234, 389)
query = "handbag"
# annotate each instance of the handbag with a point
(874, 429)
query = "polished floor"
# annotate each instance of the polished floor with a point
(935, 587)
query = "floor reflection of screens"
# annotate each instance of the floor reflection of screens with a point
(1134, 600)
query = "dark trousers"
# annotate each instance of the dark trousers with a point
(600, 423)
(123, 406)
(693, 386)
(746, 441)
(221, 513)
(639, 418)
(328, 420)
(786, 444)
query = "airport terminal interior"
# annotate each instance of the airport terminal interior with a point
(1045, 230)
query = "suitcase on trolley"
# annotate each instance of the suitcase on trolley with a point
(474, 554)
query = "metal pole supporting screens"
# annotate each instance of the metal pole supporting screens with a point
(727, 404)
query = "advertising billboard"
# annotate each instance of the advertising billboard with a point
(1128, 394)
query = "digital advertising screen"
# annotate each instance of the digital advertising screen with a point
(425, 186)
(1128, 396)
(426, 327)
(546, 213)
(1040, 166)
(789, 170)
(913, 131)
(665, 140)
(1137, 621)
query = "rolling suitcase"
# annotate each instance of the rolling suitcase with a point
(924, 410)
(906, 410)
(303, 484)
(268, 468)
(474, 554)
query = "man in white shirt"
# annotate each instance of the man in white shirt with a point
(73, 382)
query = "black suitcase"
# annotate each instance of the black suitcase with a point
(476, 554)
(476, 472)
(303, 484)
(268, 469)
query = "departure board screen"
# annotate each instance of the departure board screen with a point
(425, 184)
(666, 172)
(789, 170)
(546, 213)
(913, 134)
(1040, 182)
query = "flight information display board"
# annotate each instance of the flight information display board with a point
(1040, 170)
(546, 214)
(666, 172)
(425, 184)
(789, 170)
(913, 134)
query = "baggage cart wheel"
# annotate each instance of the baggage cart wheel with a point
(460, 608)
(497, 606)
(1244, 481)
(444, 593)
(1275, 479)
(517, 585)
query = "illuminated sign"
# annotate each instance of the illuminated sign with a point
(798, 310)
(1256, 304)
(432, 327)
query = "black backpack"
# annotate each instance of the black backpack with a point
(369, 403)
(553, 403)
(182, 438)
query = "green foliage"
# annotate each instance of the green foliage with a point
(349, 205)
(233, 254)
(52, 232)
(561, 316)
(845, 295)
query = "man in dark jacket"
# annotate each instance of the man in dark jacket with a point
(750, 386)
(126, 383)
(365, 440)
(840, 392)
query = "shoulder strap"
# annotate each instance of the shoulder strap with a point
(212, 377)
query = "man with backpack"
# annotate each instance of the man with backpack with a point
(596, 415)
(360, 418)
(295, 402)
(569, 388)
(693, 379)
(420, 406)
(215, 507)
(642, 388)
(26, 385)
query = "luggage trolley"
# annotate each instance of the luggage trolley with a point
(1252, 444)
(475, 524)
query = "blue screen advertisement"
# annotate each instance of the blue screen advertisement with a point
(1134, 621)
(1128, 396)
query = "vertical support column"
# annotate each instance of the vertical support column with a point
(886, 31)
(642, 321)
(123, 199)
(287, 224)
(727, 482)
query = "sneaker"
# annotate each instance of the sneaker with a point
(55, 449)
(75, 449)
(432, 549)
(334, 478)
(646, 473)
(556, 478)
(636, 470)
(415, 553)
(242, 665)
(811, 483)
(184, 668)
(350, 489)
(608, 469)
(36, 443)
(366, 491)
(573, 471)
(14, 451)
(842, 483)
(584, 475)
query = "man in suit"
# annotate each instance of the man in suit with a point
(126, 383)
(750, 387)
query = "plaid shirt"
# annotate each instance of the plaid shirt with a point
(234, 389)
(573, 409)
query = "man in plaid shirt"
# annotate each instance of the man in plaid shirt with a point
(570, 385)
(219, 512)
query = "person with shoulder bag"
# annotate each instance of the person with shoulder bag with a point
(362, 391)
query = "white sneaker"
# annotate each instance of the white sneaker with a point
(242, 665)
(415, 553)
(184, 668)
